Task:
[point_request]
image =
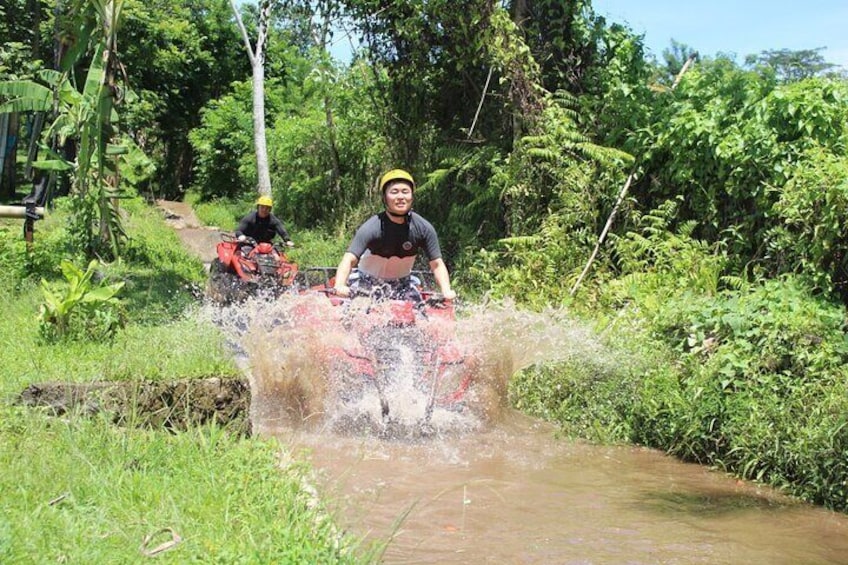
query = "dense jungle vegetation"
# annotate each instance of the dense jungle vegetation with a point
(528, 125)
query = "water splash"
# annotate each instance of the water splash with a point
(310, 364)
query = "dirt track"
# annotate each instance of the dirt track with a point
(198, 239)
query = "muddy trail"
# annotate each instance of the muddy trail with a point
(198, 239)
(171, 405)
(480, 483)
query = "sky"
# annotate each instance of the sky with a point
(739, 27)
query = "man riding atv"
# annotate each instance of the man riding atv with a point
(261, 225)
(386, 245)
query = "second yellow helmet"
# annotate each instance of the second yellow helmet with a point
(395, 174)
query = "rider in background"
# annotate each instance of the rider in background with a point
(386, 245)
(262, 225)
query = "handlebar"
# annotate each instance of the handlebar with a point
(377, 293)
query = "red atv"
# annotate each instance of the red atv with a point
(401, 348)
(246, 268)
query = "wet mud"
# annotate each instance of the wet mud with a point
(175, 405)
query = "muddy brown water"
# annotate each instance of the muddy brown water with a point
(500, 487)
(515, 494)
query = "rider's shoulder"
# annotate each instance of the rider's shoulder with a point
(417, 220)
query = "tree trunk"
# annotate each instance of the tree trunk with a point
(334, 150)
(257, 63)
(262, 170)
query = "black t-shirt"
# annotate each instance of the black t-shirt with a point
(262, 229)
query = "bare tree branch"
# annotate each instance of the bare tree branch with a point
(244, 35)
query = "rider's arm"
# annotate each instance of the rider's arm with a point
(244, 225)
(440, 273)
(348, 262)
(281, 230)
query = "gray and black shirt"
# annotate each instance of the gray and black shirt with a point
(387, 250)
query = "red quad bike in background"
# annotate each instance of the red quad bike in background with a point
(246, 268)
(402, 345)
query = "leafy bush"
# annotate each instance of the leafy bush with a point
(660, 257)
(811, 236)
(588, 398)
(761, 387)
(223, 144)
(20, 266)
(727, 139)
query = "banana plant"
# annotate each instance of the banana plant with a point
(85, 116)
(79, 295)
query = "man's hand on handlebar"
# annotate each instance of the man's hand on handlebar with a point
(342, 290)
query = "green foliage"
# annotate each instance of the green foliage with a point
(590, 398)
(223, 143)
(179, 55)
(728, 139)
(80, 308)
(566, 38)
(16, 62)
(20, 266)
(84, 117)
(468, 207)
(162, 278)
(762, 370)
(812, 221)
(657, 258)
(621, 101)
(436, 61)
(304, 148)
(552, 187)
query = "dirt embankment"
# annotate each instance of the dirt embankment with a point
(174, 405)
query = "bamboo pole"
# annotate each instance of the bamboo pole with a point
(18, 211)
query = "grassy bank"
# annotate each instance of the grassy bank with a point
(79, 489)
(751, 381)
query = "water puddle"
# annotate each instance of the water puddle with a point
(481, 483)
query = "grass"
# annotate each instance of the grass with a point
(84, 491)
(81, 490)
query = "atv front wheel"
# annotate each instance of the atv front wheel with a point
(216, 267)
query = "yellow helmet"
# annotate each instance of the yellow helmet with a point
(395, 174)
(265, 201)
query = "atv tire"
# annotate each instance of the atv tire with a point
(216, 267)
(223, 286)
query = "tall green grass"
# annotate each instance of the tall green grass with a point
(78, 490)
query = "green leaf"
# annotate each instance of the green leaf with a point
(53, 165)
